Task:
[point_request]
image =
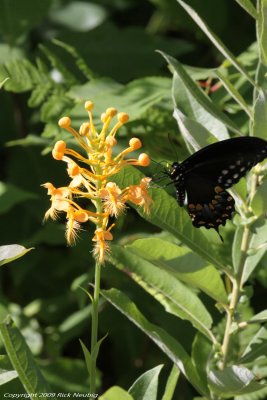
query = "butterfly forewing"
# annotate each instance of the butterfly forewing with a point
(206, 174)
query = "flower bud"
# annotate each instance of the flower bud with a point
(123, 117)
(84, 129)
(64, 122)
(111, 111)
(135, 143)
(59, 150)
(143, 160)
(111, 141)
(89, 105)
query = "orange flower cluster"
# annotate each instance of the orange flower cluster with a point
(91, 178)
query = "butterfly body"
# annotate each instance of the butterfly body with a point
(205, 176)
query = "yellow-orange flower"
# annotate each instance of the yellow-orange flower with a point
(91, 178)
(138, 194)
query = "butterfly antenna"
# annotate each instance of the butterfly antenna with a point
(173, 147)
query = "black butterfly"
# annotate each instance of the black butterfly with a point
(206, 174)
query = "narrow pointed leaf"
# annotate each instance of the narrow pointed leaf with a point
(257, 242)
(258, 203)
(171, 383)
(198, 94)
(194, 134)
(259, 317)
(185, 265)
(262, 30)
(22, 360)
(175, 297)
(87, 357)
(146, 386)
(215, 40)
(249, 7)
(187, 105)
(235, 94)
(201, 351)
(170, 346)
(257, 347)
(259, 125)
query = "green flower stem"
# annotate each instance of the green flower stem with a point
(236, 291)
(94, 329)
(95, 303)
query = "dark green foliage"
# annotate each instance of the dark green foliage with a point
(57, 54)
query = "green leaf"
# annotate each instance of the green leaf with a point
(89, 16)
(236, 248)
(258, 203)
(257, 347)
(232, 381)
(183, 264)
(198, 94)
(80, 62)
(116, 392)
(257, 243)
(193, 117)
(262, 30)
(136, 97)
(201, 354)
(22, 73)
(193, 132)
(58, 65)
(22, 359)
(170, 346)
(259, 124)
(215, 40)
(146, 386)
(97, 347)
(166, 214)
(87, 357)
(171, 383)
(249, 7)
(231, 89)
(11, 252)
(175, 297)
(259, 317)
(3, 82)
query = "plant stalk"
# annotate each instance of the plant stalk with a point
(94, 328)
(95, 303)
(236, 291)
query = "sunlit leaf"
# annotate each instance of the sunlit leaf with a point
(11, 252)
(146, 386)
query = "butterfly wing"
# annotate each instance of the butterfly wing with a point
(213, 169)
(209, 204)
(227, 161)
